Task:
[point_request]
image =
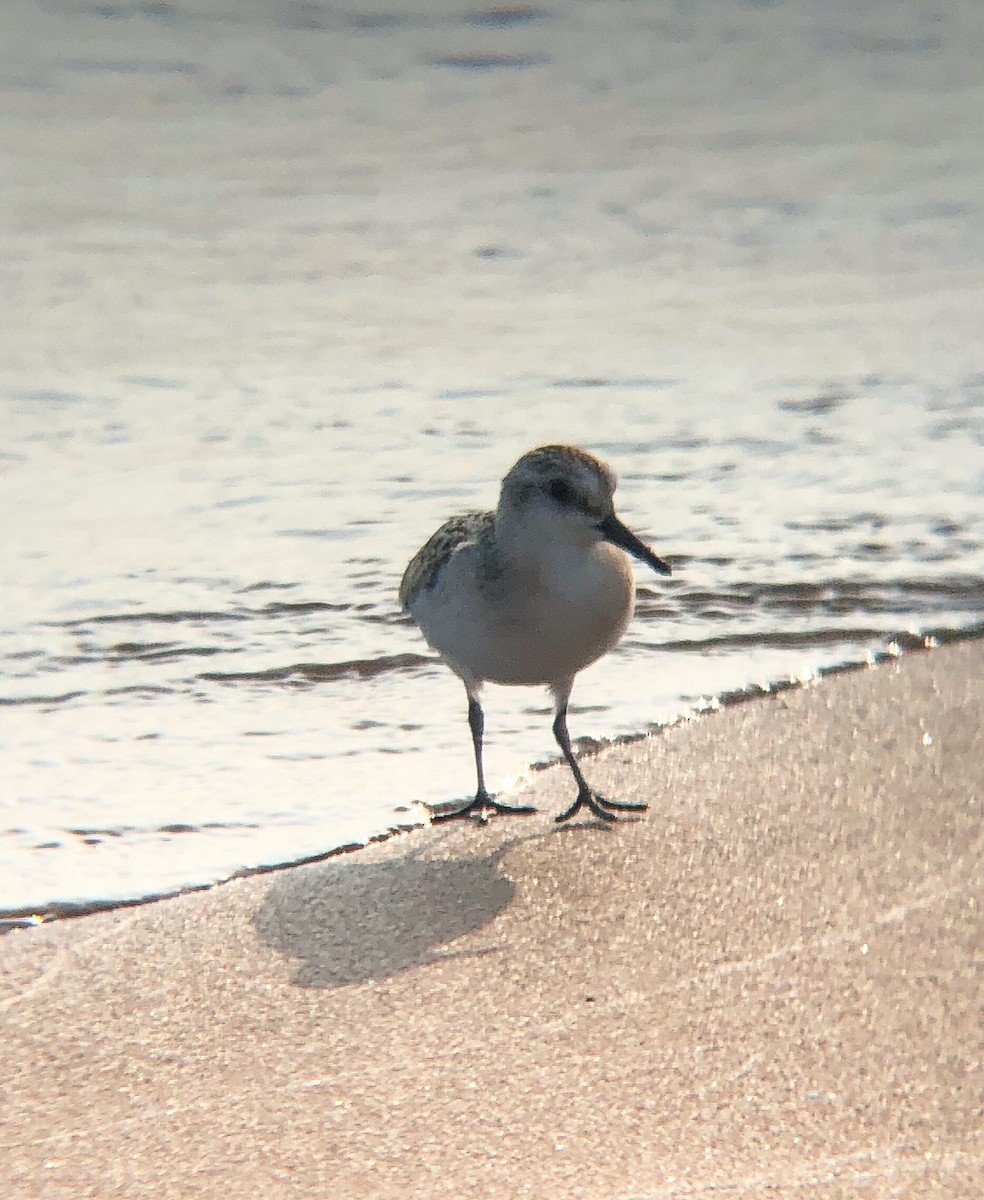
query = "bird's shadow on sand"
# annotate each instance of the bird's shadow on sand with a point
(347, 921)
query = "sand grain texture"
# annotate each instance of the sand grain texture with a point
(768, 986)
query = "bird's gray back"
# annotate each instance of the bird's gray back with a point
(425, 567)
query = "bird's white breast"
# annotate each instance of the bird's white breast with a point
(537, 621)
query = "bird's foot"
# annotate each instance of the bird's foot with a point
(481, 807)
(601, 807)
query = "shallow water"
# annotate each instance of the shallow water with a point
(205, 666)
(284, 297)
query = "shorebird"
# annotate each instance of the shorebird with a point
(530, 594)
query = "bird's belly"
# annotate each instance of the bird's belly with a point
(556, 648)
(537, 631)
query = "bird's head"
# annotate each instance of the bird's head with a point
(563, 492)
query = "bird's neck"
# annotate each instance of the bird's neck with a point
(532, 548)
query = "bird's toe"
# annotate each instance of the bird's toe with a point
(481, 808)
(600, 807)
(622, 805)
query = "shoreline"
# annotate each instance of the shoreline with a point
(905, 644)
(767, 983)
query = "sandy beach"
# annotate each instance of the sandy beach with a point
(288, 283)
(769, 985)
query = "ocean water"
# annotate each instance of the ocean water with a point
(287, 284)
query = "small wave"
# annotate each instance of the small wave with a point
(488, 62)
(143, 830)
(141, 689)
(64, 698)
(151, 618)
(835, 596)
(159, 652)
(505, 16)
(773, 640)
(301, 673)
(298, 608)
(276, 608)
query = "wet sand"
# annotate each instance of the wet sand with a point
(770, 984)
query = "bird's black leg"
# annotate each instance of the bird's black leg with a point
(599, 805)
(482, 801)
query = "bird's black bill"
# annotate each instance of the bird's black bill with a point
(619, 535)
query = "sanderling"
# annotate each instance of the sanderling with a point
(530, 594)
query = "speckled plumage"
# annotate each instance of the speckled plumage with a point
(425, 566)
(531, 593)
(547, 459)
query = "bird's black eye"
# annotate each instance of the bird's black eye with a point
(560, 490)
